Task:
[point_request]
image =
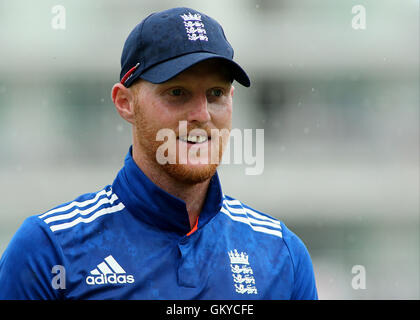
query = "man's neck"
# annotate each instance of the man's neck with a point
(193, 195)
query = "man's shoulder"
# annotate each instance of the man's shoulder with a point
(256, 220)
(233, 202)
(82, 210)
(259, 221)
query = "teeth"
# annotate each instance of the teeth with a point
(194, 139)
(197, 139)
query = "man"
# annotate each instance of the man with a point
(163, 229)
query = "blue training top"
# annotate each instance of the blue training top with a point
(132, 240)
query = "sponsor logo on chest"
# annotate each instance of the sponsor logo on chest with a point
(109, 272)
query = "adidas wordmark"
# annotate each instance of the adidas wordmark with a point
(109, 272)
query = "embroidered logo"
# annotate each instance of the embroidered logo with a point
(194, 27)
(242, 273)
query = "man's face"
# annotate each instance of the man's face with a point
(198, 98)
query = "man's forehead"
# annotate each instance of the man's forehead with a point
(210, 70)
(215, 69)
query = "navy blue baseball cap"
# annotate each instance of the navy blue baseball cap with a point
(168, 42)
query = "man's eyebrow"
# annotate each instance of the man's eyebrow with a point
(185, 83)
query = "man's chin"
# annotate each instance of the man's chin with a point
(190, 174)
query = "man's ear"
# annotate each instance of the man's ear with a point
(124, 101)
(232, 89)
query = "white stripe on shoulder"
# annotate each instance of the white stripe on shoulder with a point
(104, 202)
(257, 215)
(247, 212)
(77, 204)
(77, 211)
(246, 220)
(93, 217)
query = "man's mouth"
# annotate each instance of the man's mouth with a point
(194, 139)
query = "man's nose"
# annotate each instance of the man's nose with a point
(199, 109)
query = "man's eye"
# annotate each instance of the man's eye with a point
(176, 92)
(216, 92)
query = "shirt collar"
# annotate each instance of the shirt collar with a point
(157, 207)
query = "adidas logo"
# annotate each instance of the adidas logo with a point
(109, 271)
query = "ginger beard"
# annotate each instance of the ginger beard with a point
(197, 165)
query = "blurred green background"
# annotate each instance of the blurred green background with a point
(339, 106)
